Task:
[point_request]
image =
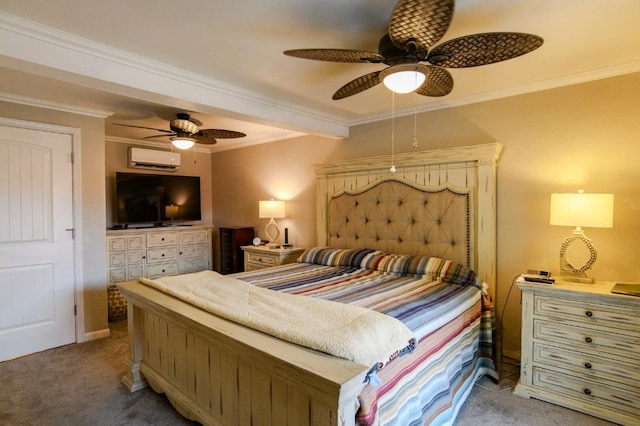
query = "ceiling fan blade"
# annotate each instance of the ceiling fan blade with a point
(142, 127)
(421, 21)
(336, 55)
(205, 140)
(438, 83)
(219, 134)
(358, 85)
(482, 49)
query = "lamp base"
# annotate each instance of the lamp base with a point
(576, 277)
(273, 232)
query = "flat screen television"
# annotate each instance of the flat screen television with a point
(156, 199)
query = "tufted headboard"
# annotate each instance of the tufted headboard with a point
(438, 203)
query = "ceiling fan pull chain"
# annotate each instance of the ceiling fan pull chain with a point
(392, 169)
(415, 127)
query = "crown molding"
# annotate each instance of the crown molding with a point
(123, 73)
(538, 86)
(56, 106)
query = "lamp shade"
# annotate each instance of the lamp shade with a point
(579, 209)
(271, 209)
(183, 143)
(403, 78)
(171, 211)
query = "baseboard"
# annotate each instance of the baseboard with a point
(94, 335)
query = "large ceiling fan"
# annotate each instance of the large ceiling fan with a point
(413, 65)
(185, 132)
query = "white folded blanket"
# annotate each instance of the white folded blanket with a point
(358, 334)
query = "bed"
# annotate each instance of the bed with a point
(417, 245)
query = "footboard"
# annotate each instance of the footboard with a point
(221, 373)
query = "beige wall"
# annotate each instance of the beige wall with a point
(191, 164)
(93, 206)
(279, 170)
(581, 136)
(558, 140)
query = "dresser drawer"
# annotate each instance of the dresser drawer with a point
(621, 346)
(193, 237)
(589, 365)
(125, 243)
(162, 254)
(134, 242)
(135, 272)
(587, 312)
(588, 392)
(194, 250)
(117, 275)
(117, 244)
(157, 239)
(194, 264)
(160, 270)
(134, 258)
(261, 259)
(117, 260)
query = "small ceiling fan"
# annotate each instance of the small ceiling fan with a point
(185, 132)
(413, 65)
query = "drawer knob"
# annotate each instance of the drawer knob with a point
(587, 365)
(588, 339)
(587, 391)
(162, 254)
(162, 239)
(589, 313)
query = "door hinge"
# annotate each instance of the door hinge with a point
(75, 310)
(73, 157)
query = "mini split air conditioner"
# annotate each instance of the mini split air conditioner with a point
(152, 159)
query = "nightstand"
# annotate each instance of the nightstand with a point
(258, 257)
(581, 349)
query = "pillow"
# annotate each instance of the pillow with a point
(335, 256)
(403, 264)
(435, 267)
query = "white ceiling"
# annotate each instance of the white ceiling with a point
(140, 62)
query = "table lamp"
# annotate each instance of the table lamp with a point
(271, 209)
(580, 210)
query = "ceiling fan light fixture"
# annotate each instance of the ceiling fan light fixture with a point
(403, 78)
(182, 142)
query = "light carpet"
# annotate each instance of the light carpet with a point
(80, 385)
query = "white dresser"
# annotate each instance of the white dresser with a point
(152, 253)
(581, 349)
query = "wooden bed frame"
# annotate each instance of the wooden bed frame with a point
(220, 373)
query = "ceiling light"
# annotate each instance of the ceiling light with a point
(183, 142)
(404, 78)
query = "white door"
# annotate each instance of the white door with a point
(36, 241)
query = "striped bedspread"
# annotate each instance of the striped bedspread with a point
(443, 303)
